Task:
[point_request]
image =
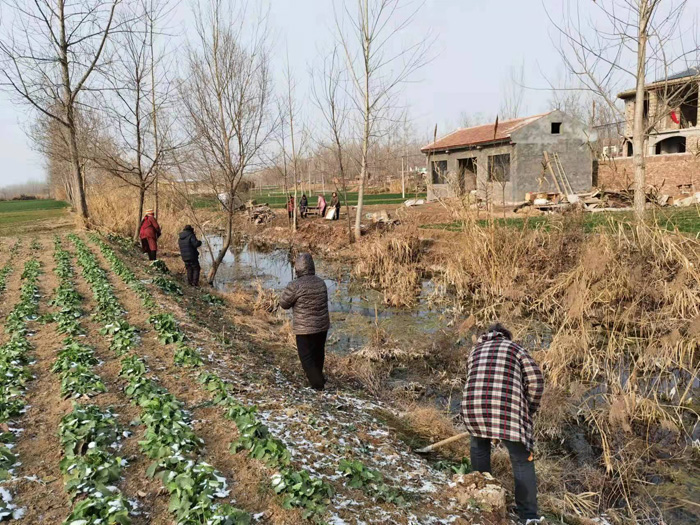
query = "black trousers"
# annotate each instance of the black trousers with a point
(312, 354)
(337, 213)
(523, 472)
(146, 248)
(193, 270)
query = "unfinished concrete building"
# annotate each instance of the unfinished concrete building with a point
(671, 113)
(672, 143)
(504, 162)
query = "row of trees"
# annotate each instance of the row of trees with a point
(114, 97)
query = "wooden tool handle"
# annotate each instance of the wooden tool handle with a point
(443, 442)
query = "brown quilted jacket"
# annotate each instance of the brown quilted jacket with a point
(308, 296)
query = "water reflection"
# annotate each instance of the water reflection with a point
(355, 311)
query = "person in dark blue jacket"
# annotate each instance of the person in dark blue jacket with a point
(188, 244)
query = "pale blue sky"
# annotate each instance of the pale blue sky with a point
(477, 44)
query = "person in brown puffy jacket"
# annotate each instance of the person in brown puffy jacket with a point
(308, 296)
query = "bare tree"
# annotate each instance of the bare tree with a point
(628, 39)
(329, 95)
(288, 124)
(227, 98)
(133, 147)
(49, 49)
(513, 93)
(377, 66)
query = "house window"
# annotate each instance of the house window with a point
(670, 146)
(439, 172)
(499, 168)
(556, 128)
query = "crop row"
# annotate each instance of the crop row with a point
(166, 284)
(14, 373)
(169, 439)
(7, 269)
(296, 487)
(89, 435)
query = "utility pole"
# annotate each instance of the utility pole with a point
(403, 179)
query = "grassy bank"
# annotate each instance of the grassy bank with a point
(685, 220)
(19, 216)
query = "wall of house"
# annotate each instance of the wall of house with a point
(493, 191)
(665, 172)
(572, 144)
(526, 151)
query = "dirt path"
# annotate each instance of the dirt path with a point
(40, 488)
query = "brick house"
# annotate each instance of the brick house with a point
(672, 146)
(505, 162)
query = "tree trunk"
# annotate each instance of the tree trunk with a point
(142, 197)
(367, 115)
(80, 200)
(639, 126)
(224, 248)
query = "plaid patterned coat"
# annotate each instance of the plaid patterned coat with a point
(503, 390)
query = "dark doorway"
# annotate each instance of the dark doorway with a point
(467, 174)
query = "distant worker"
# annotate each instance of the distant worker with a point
(308, 296)
(304, 206)
(290, 205)
(149, 233)
(501, 396)
(335, 203)
(188, 244)
(322, 205)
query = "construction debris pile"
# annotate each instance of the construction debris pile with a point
(598, 200)
(603, 200)
(259, 213)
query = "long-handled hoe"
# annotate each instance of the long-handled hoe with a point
(439, 444)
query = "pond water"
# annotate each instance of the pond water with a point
(355, 311)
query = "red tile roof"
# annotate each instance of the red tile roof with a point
(481, 134)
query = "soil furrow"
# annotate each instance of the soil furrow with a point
(249, 480)
(152, 502)
(40, 488)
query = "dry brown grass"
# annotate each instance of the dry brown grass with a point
(115, 210)
(621, 306)
(390, 264)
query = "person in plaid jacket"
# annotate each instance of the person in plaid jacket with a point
(501, 396)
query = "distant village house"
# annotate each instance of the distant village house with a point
(504, 161)
(672, 144)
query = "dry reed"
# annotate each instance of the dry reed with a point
(390, 264)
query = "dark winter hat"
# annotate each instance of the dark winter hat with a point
(500, 329)
(188, 227)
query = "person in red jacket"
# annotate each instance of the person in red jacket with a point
(149, 233)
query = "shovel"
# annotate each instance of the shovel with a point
(439, 444)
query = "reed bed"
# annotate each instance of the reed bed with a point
(622, 308)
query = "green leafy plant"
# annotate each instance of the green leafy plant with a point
(371, 481)
(111, 509)
(186, 356)
(167, 285)
(167, 328)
